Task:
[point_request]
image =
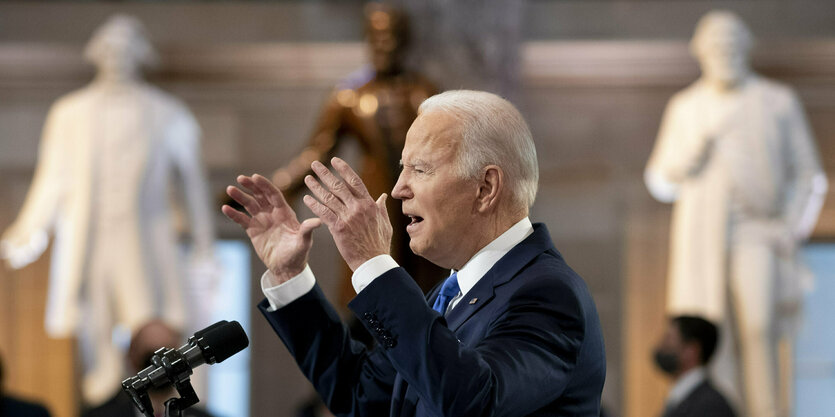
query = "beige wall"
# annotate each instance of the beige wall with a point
(594, 107)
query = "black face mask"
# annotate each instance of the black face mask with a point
(668, 362)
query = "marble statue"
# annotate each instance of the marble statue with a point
(109, 155)
(737, 158)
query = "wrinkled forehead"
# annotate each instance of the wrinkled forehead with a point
(435, 132)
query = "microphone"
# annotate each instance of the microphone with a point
(169, 366)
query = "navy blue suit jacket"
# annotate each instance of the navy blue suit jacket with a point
(524, 341)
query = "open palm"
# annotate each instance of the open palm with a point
(280, 241)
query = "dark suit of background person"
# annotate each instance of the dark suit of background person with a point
(524, 340)
(683, 353)
(14, 407)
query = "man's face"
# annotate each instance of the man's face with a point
(668, 353)
(722, 55)
(440, 204)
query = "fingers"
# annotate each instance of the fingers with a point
(333, 192)
(355, 184)
(334, 184)
(244, 199)
(254, 191)
(260, 194)
(322, 211)
(270, 191)
(327, 198)
(235, 215)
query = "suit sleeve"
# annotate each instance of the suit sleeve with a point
(351, 379)
(524, 363)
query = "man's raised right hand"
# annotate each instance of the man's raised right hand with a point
(282, 243)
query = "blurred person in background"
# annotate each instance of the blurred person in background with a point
(685, 349)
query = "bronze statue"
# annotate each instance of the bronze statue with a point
(375, 106)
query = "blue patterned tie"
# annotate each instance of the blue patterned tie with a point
(448, 291)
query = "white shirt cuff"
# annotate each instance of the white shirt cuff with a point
(370, 270)
(285, 293)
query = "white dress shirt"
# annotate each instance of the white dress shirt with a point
(282, 294)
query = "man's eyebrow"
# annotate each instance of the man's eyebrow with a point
(414, 163)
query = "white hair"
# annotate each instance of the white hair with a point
(492, 132)
(718, 20)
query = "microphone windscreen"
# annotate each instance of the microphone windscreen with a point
(224, 338)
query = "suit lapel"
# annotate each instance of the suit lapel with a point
(478, 297)
(503, 271)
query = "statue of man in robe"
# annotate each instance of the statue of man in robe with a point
(374, 106)
(736, 157)
(108, 156)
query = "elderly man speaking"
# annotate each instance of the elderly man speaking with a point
(513, 331)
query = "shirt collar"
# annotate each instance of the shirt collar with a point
(685, 385)
(484, 259)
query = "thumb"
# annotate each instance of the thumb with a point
(307, 226)
(381, 204)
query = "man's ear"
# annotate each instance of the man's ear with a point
(490, 187)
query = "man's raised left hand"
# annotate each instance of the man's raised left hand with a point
(360, 226)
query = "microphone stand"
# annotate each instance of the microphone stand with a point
(174, 406)
(176, 369)
(174, 366)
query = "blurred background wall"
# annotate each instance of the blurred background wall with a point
(593, 79)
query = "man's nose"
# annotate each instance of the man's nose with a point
(400, 190)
